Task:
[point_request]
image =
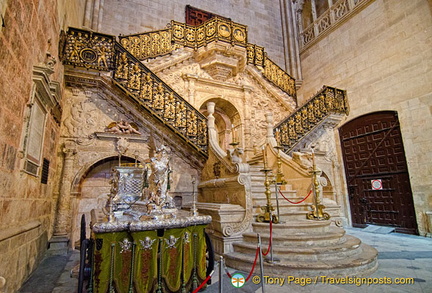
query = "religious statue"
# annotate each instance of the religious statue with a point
(159, 178)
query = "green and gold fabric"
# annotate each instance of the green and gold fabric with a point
(145, 266)
(173, 260)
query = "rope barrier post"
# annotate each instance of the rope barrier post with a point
(221, 265)
(271, 237)
(270, 259)
(277, 201)
(261, 263)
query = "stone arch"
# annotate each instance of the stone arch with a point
(90, 188)
(228, 121)
(86, 168)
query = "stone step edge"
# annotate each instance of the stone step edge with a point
(350, 243)
(296, 224)
(347, 262)
(298, 237)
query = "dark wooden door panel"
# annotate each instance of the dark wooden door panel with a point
(372, 149)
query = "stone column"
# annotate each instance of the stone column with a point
(291, 42)
(63, 222)
(93, 14)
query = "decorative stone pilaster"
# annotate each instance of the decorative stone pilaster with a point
(63, 222)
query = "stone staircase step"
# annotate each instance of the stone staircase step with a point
(362, 264)
(347, 247)
(332, 237)
(295, 227)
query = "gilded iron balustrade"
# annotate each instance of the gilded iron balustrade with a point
(162, 42)
(84, 49)
(158, 98)
(87, 49)
(270, 70)
(279, 77)
(149, 45)
(327, 101)
(215, 29)
(255, 55)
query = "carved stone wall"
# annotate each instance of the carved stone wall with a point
(28, 36)
(90, 151)
(252, 95)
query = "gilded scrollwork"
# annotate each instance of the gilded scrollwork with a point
(146, 92)
(134, 82)
(148, 45)
(122, 67)
(181, 114)
(191, 124)
(202, 131)
(169, 113)
(89, 50)
(158, 98)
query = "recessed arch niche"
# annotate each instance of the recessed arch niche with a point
(91, 188)
(227, 121)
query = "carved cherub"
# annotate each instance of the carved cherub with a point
(122, 127)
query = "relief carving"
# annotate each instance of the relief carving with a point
(80, 120)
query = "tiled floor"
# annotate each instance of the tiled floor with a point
(401, 257)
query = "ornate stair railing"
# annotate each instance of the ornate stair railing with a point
(149, 45)
(159, 43)
(101, 52)
(327, 101)
(270, 70)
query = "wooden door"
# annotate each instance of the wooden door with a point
(376, 172)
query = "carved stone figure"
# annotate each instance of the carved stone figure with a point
(159, 178)
(235, 155)
(122, 127)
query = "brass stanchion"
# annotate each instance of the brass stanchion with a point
(279, 180)
(266, 215)
(317, 212)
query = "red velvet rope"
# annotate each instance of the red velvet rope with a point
(228, 273)
(271, 237)
(256, 256)
(253, 266)
(202, 284)
(298, 201)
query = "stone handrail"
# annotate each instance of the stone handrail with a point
(327, 101)
(335, 15)
(101, 52)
